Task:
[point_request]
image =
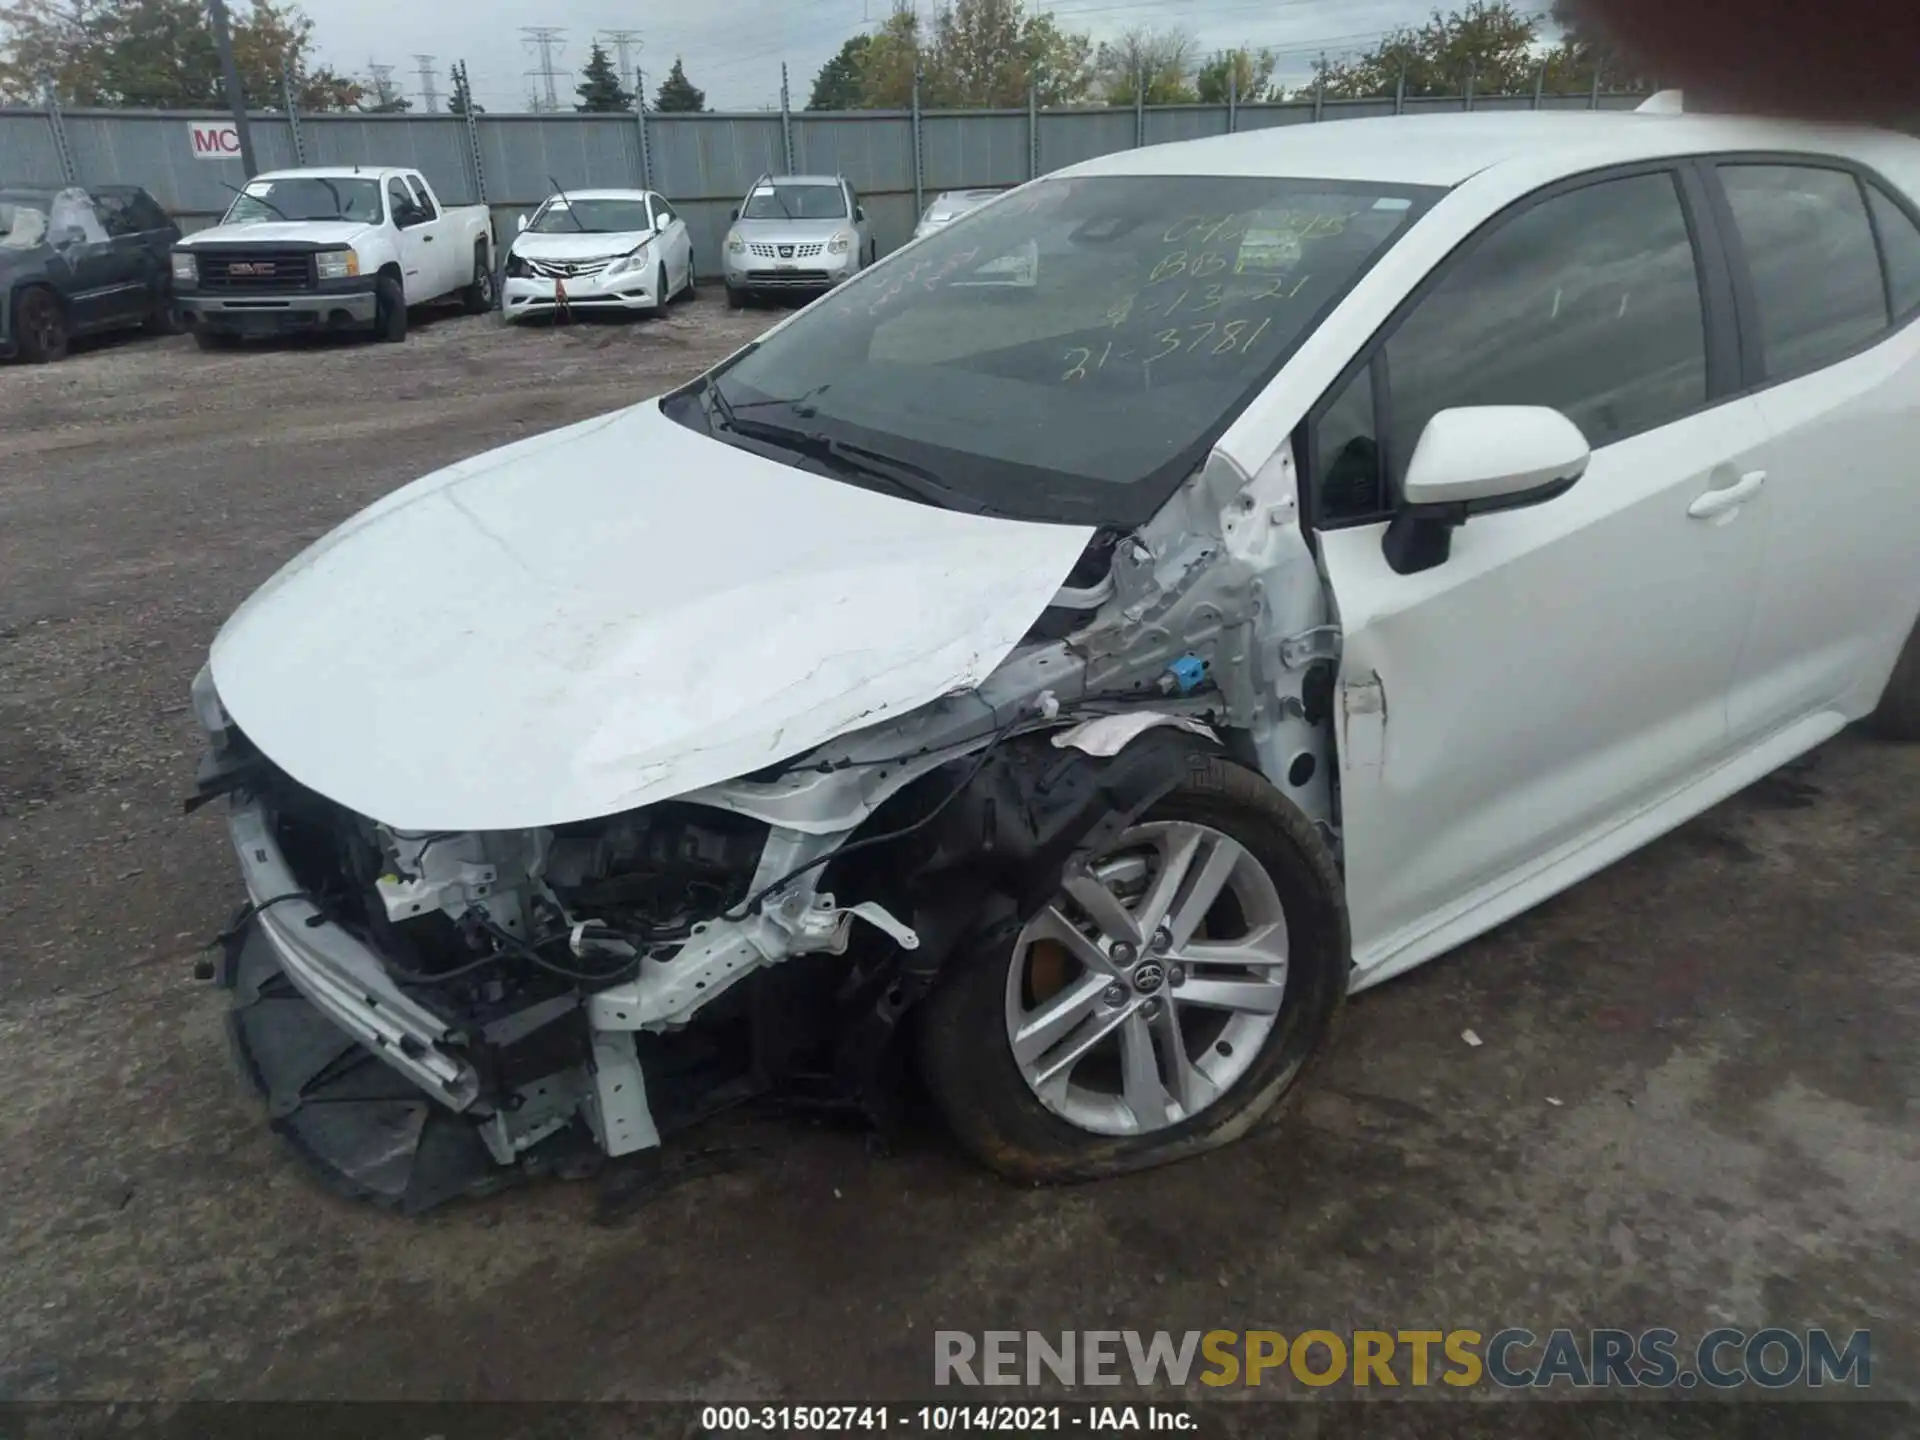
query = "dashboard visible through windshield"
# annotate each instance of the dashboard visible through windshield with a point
(1067, 353)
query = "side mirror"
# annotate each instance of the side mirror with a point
(1475, 460)
(860, 213)
(733, 214)
(520, 222)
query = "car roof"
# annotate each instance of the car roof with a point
(801, 180)
(601, 194)
(1444, 150)
(338, 172)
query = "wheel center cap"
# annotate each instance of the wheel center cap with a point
(1149, 976)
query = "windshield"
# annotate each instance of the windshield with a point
(307, 197)
(23, 219)
(1071, 352)
(796, 202)
(591, 217)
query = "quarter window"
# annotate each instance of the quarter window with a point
(1588, 302)
(1809, 249)
(1900, 246)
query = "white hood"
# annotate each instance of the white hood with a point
(269, 232)
(590, 246)
(611, 614)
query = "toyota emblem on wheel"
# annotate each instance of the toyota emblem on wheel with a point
(1149, 976)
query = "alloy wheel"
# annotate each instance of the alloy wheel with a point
(1148, 987)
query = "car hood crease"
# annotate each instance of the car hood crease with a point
(611, 614)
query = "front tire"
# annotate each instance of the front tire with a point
(736, 300)
(39, 326)
(1059, 1054)
(689, 291)
(1897, 717)
(389, 310)
(164, 317)
(478, 297)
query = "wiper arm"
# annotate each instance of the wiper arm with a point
(259, 200)
(846, 458)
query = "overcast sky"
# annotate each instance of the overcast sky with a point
(733, 48)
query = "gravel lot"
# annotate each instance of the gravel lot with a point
(1694, 1105)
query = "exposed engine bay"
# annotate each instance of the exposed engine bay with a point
(543, 999)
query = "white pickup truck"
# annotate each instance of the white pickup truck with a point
(333, 248)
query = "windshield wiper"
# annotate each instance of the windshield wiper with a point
(566, 204)
(260, 200)
(843, 457)
(796, 402)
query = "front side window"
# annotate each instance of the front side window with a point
(306, 197)
(1810, 251)
(117, 213)
(1587, 302)
(779, 201)
(1070, 354)
(401, 204)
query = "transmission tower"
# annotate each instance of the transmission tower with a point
(428, 95)
(384, 93)
(624, 42)
(545, 39)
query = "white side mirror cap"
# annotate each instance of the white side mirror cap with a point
(520, 223)
(1493, 452)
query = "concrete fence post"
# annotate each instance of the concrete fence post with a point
(293, 115)
(68, 173)
(1033, 131)
(919, 162)
(640, 124)
(786, 119)
(473, 137)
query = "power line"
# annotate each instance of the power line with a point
(547, 40)
(428, 95)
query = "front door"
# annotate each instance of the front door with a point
(103, 277)
(1568, 665)
(419, 261)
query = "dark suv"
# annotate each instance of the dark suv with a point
(77, 260)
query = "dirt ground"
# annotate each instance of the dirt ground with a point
(1694, 1105)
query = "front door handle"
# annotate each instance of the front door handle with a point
(1728, 497)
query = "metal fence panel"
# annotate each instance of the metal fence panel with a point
(28, 155)
(875, 153)
(152, 149)
(526, 156)
(1352, 110)
(1069, 136)
(435, 145)
(979, 148)
(713, 157)
(1271, 117)
(1185, 122)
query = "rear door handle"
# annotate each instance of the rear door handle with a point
(1728, 497)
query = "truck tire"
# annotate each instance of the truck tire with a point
(1004, 1034)
(390, 310)
(39, 326)
(735, 299)
(1898, 715)
(478, 296)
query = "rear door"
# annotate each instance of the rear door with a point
(1568, 666)
(103, 275)
(140, 271)
(452, 261)
(1826, 257)
(412, 236)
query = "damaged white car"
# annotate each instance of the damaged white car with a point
(1354, 535)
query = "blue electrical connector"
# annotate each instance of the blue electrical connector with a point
(1184, 676)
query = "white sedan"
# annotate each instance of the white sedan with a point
(1355, 535)
(597, 250)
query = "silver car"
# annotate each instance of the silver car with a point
(803, 233)
(949, 205)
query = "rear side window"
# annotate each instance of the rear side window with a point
(1900, 245)
(1810, 252)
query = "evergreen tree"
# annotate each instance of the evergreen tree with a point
(838, 85)
(678, 94)
(599, 89)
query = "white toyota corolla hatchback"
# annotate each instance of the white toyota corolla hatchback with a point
(1344, 538)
